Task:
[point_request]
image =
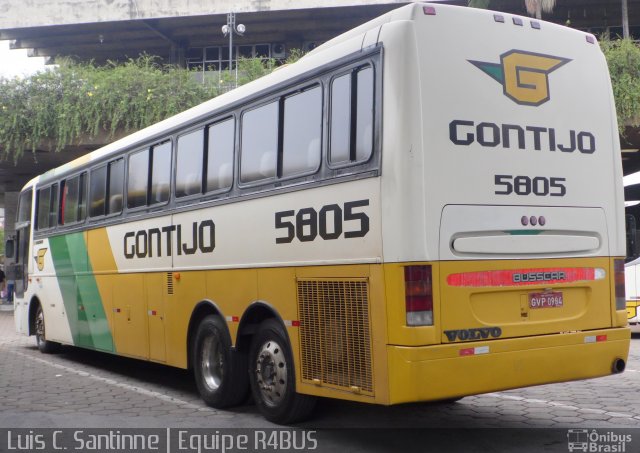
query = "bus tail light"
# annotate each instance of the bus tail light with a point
(618, 271)
(418, 286)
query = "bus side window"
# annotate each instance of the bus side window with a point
(53, 207)
(43, 205)
(24, 206)
(138, 179)
(74, 203)
(340, 119)
(115, 186)
(259, 152)
(351, 123)
(220, 155)
(302, 132)
(189, 158)
(160, 173)
(364, 122)
(98, 191)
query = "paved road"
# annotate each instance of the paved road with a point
(77, 388)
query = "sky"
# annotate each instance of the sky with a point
(16, 63)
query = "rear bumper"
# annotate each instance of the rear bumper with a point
(440, 372)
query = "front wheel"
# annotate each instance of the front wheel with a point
(220, 373)
(44, 345)
(272, 377)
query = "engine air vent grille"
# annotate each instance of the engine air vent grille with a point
(334, 333)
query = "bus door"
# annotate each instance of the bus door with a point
(19, 270)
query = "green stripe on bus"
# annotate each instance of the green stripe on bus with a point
(82, 301)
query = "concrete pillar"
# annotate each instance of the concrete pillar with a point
(10, 202)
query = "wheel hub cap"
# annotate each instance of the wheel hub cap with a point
(212, 362)
(271, 371)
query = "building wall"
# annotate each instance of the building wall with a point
(33, 13)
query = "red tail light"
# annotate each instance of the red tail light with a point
(618, 270)
(418, 295)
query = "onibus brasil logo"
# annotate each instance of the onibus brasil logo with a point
(523, 75)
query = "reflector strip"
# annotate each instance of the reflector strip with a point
(523, 277)
(290, 323)
(232, 319)
(595, 339)
(152, 312)
(474, 351)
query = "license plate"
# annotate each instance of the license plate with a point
(546, 300)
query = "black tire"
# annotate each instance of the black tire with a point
(220, 373)
(45, 346)
(272, 377)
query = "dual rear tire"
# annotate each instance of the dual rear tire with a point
(224, 376)
(272, 377)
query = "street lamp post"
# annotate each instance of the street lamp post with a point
(229, 29)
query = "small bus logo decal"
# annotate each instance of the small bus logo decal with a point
(40, 258)
(523, 75)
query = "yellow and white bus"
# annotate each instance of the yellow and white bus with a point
(426, 207)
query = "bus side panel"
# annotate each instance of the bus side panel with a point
(83, 303)
(45, 289)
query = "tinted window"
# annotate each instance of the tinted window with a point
(340, 119)
(137, 179)
(74, 199)
(302, 129)
(220, 155)
(364, 123)
(161, 173)
(53, 207)
(259, 143)
(351, 130)
(97, 191)
(24, 206)
(116, 186)
(189, 160)
(44, 204)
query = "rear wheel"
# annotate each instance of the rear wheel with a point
(220, 373)
(44, 345)
(272, 377)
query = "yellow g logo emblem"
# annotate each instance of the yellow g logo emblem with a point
(40, 259)
(524, 76)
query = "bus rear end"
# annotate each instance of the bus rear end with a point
(504, 245)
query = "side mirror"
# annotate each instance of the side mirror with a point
(632, 243)
(9, 248)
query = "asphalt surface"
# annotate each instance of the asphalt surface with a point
(78, 388)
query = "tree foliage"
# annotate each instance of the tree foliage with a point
(623, 58)
(76, 101)
(79, 101)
